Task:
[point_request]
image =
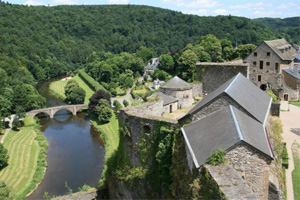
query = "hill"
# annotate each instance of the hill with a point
(288, 28)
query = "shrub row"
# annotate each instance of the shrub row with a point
(90, 81)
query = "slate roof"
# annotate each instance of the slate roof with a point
(244, 93)
(177, 83)
(297, 58)
(224, 129)
(290, 71)
(276, 45)
(166, 99)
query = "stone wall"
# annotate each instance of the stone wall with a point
(253, 167)
(140, 127)
(185, 97)
(151, 109)
(292, 94)
(197, 90)
(213, 75)
(167, 108)
(291, 81)
(275, 109)
(219, 103)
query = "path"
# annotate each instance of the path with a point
(290, 119)
(11, 119)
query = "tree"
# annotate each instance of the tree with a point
(145, 53)
(100, 94)
(125, 103)
(70, 86)
(103, 111)
(3, 157)
(187, 65)
(16, 124)
(4, 191)
(166, 62)
(5, 108)
(77, 96)
(212, 46)
(117, 105)
(244, 50)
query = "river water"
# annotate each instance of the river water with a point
(76, 153)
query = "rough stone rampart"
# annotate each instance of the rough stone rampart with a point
(197, 90)
(213, 75)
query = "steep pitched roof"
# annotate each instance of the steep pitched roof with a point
(176, 83)
(224, 129)
(244, 93)
(166, 99)
(281, 44)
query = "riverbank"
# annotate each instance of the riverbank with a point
(27, 159)
(109, 132)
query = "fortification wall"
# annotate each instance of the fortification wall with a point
(185, 97)
(197, 90)
(253, 167)
(213, 75)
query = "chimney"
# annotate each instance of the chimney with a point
(296, 68)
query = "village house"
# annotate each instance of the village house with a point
(267, 62)
(152, 65)
(292, 75)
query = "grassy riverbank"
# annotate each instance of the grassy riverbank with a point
(57, 88)
(27, 159)
(110, 134)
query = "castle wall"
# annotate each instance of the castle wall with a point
(253, 167)
(291, 81)
(197, 90)
(213, 75)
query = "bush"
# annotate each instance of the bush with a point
(273, 96)
(103, 111)
(117, 105)
(3, 157)
(217, 157)
(285, 157)
(125, 103)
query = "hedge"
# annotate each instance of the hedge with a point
(91, 82)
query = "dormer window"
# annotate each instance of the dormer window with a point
(255, 54)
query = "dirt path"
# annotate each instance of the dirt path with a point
(290, 118)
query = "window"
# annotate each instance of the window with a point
(254, 63)
(259, 78)
(268, 53)
(261, 64)
(255, 53)
(276, 66)
(268, 63)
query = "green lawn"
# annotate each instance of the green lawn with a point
(296, 172)
(295, 103)
(23, 172)
(57, 88)
(110, 134)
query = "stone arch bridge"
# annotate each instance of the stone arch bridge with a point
(52, 110)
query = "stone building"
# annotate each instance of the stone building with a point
(292, 76)
(267, 62)
(233, 117)
(152, 65)
(179, 89)
(170, 104)
(239, 92)
(157, 83)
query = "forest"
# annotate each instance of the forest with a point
(113, 43)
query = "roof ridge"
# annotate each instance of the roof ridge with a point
(238, 129)
(231, 82)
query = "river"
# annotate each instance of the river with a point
(76, 153)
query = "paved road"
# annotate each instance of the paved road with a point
(290, 119)
(11, 119)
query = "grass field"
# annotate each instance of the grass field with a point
(295, 103)
(57, 88)
(110, 134)
(296, 171)
(26, 162)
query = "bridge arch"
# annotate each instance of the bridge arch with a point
(43, 112)
(70, 109)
